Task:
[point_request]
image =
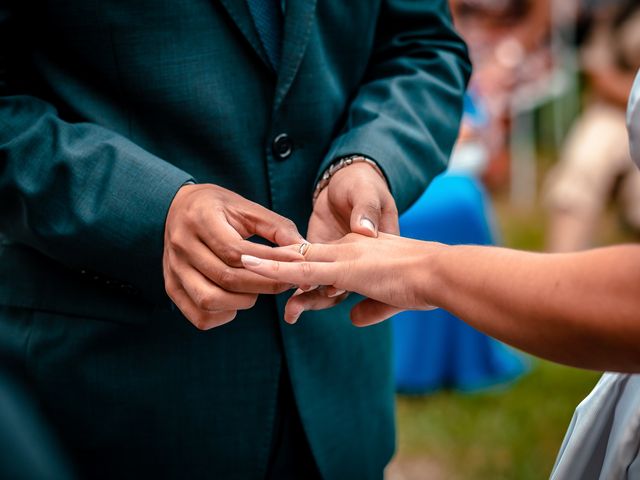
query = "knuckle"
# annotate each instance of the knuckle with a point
(371, 204)
(174, 237)
(306, 269)
(349, 238)
(273, 288)
(220, 198)
(372, 209)
(229, 254)
(170, 286)
(280, 287)
(180, 245)
(205, 300)
(189, 218)
(200, 322)
(227, 278)
(287, 224)
(169, 289)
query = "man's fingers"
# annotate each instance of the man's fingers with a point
(228, 278)
(209, 297)
(305, 301)
(296, 273)
(200, 319)
(369, 312)
(277, 229)
(365, 216)
(254, 219)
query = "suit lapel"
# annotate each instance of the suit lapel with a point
(240, 14)
(297, 28)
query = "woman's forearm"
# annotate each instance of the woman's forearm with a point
(582, 309)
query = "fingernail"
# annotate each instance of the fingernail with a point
(368, 224)
(337, 293)
(308, 288)
(250, 260)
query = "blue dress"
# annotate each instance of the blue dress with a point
(434, 350)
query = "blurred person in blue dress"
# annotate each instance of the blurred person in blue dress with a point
(434, 349)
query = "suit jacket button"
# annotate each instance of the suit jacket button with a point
(282, 146)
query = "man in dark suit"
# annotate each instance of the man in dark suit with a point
(28, 450)
(144, 146)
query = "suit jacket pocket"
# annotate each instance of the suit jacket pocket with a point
(31, 280)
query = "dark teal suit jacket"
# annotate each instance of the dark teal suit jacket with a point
(107, 107)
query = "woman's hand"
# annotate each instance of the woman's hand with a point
(356, 200)
(390, 270)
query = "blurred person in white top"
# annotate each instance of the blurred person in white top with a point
(595, 162)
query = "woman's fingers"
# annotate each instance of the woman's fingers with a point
(313, 252)
(304, 301)
(369, 312)
(297, 273)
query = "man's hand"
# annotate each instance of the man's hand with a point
(205, 235)
(356, 200)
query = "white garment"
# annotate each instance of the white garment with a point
(603, 439)
(633, 121)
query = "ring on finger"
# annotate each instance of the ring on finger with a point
(304, 248)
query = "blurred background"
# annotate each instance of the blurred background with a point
(541, 164)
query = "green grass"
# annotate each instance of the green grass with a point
(510, 434)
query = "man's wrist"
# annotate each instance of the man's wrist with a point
(340, 164)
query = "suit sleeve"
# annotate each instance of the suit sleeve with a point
(79, 193)
(407, 110)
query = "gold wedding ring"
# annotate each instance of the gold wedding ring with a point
(304, 248)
